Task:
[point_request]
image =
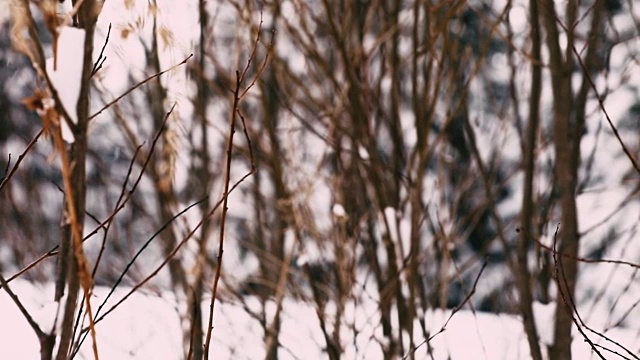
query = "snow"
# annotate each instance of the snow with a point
(48, 316)
(338, 211)
(543, 317)
(148, 327)
(65, 73)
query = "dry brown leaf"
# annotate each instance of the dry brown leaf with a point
(43, 105)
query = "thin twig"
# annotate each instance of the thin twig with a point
(20, 306)
(237, 96)
(101, 58)
(137, 86)
(586, 74)
(586, 260)
(567, 299)
(8, 176)
(151, 151)
(6, 169)
(130, 264)
(253, 52)
(453, 312)
(570, 305)
(121, 198)
(54, 250)
(176, 249)
(225, 194)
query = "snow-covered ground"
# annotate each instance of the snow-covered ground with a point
(148, 327)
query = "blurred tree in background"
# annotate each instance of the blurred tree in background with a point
(409, 153)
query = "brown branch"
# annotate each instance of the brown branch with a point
(225, 194)
(523, 276)
(235, 112)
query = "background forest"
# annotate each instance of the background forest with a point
(373, 160)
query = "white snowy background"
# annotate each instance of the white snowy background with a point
(147, 325)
